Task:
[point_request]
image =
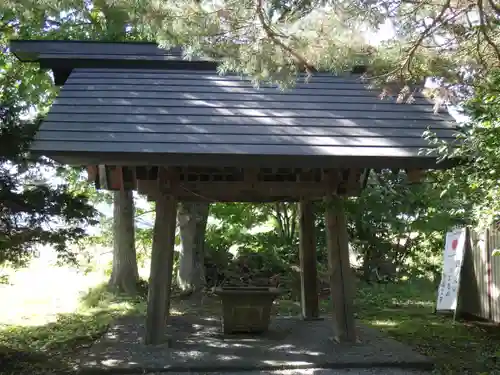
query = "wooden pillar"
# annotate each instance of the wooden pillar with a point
(341, 277)
(160, 279)
(308, 271)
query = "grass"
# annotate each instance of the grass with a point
(51, 346)
(405, 311)
(45, 341)
(44, 326)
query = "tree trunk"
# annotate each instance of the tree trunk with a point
(367, 266)
(124, 275)
(192, 219)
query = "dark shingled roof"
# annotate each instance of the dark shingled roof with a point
(181, 114)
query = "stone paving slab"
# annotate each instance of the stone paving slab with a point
(196, 344)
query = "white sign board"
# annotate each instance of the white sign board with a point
(453, 256)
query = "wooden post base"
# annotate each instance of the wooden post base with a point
(338, 340)
(312, 319)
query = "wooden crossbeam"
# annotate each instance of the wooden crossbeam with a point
(226, 190)
(240, 184)
(251, 176)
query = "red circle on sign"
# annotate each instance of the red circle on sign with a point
(454, 244)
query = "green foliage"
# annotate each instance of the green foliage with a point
(217, 246)
(33, 212)
(34, 209)
(100, 297)
(236, 218)
(229, 230)
(405, 311)
(46, 348)
(263, 260)
(274, 40)
(396, 227)
(391, 222)
(77, 181)
(477, 178)
(402, 225)
(26, 92)
(104, 238)
(275, 245)
(144, 243)
(265, 229)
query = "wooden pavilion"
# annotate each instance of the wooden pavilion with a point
(140, 117)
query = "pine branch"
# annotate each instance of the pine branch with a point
(407, 63)
(484, 31)
(274, 37)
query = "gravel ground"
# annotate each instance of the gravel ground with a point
(310, 372)
(196, 345)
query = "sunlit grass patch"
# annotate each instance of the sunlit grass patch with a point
(405, 311)
(67, 330)
(48, 338)
(36, 295)
(89, 321)
(383, 323)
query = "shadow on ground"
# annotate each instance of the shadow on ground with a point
(403, 311)
(195, 343)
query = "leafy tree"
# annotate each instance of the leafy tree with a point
(477, 178)
(26, 90)
(273, 40)
(398, 226)
(231, 226)
(32, 210)
(284, 216)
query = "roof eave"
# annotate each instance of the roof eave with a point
(62, 63)
(29, 50)
(50, 62)
(21, 49)
(222, 160)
